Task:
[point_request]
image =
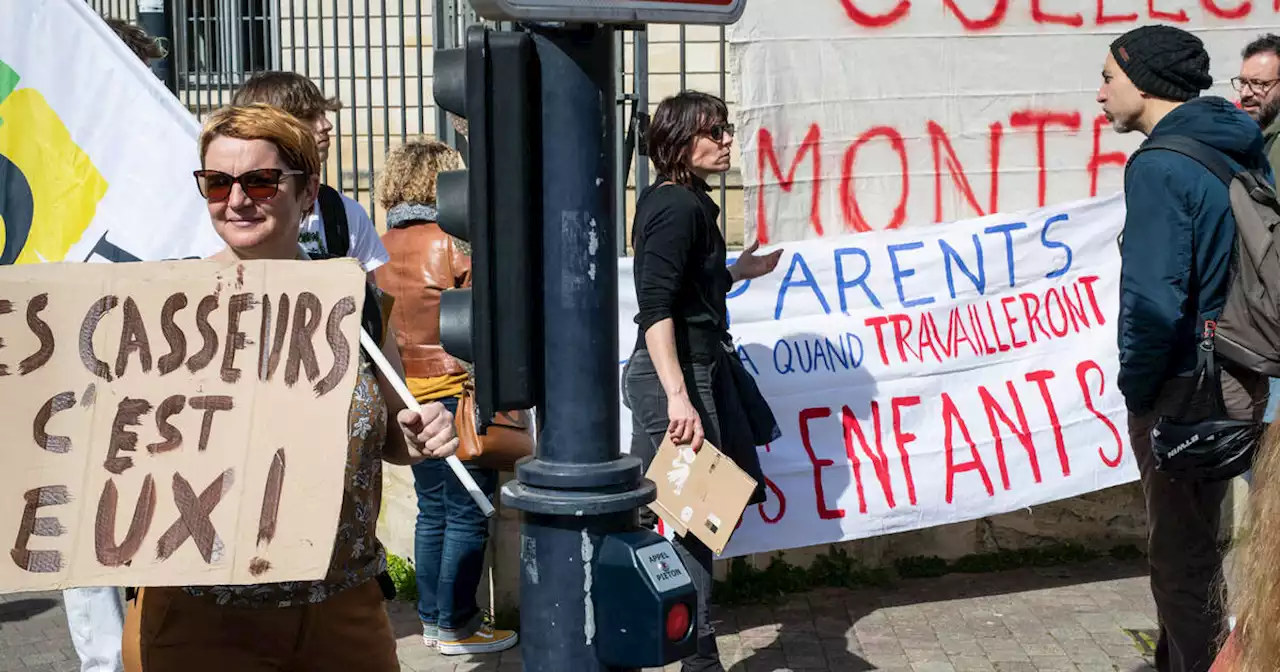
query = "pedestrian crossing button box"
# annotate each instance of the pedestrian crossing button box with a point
(646, 604)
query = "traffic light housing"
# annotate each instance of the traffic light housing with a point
(646, 605)
(495, 205)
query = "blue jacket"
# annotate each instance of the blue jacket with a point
(1176, 249)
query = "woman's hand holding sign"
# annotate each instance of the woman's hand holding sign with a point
(684, 426)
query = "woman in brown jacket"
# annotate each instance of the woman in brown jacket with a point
(451, 531)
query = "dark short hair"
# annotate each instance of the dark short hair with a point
(677, 121)
(1269, 43)
(288, 91)
(139, 42)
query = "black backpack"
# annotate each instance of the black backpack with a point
(337, 237)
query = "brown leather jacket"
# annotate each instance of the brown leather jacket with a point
(424, 261)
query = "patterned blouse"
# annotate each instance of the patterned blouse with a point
(358, 556)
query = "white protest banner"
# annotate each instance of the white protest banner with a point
(145, 439)
(859, 115)
(95, 154)
(930, 376)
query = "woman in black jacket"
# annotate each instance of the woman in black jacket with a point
(685, 379)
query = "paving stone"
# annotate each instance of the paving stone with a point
(1096, 622)
(1049, 648)
(770, 630)
(826, 626)
(932, 666)
(962, 648)
(926, 655)
(916, 632)
(1008, 656)
(766, 661)
(888, 661)
(46, 658)
(1096, 667)
(1070, 633)
(1053, 664)
(972, 664)
(1017, 666)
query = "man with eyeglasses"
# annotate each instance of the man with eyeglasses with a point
(1260, 99)
(1259, 95)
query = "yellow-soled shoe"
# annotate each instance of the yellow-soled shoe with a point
(485, 640)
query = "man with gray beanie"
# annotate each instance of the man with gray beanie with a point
(1176, 255)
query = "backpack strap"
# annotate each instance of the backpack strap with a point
(371, 315)
(333, 212)
(1205, 155)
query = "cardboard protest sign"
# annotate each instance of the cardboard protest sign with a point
(174, 423)
(702, 493)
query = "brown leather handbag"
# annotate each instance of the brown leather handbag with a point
(508, 439)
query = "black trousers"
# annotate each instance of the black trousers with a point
(643, 394)
(1184, 528)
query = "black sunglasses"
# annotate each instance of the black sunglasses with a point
(718, 131)
(261, 185)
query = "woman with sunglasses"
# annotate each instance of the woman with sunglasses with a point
(260, 176)
(684, 380)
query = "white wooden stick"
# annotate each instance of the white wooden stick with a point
(375, 353)
(372, 349)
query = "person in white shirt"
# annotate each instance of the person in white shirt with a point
(301, 98)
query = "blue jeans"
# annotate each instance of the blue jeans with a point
(1269, 416)
(450, 539)
(1273, 400)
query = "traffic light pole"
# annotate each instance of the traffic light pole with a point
(579, 487)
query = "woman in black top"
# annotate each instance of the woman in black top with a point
(685, 379)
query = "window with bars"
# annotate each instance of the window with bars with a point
(223, 40)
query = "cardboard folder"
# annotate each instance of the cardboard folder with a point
(703, 492)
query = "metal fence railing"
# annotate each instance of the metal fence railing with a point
(119, 9)
(376, 56)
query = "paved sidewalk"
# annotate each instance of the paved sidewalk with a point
(1032, 620)
(1084, 617)
(33, 634)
